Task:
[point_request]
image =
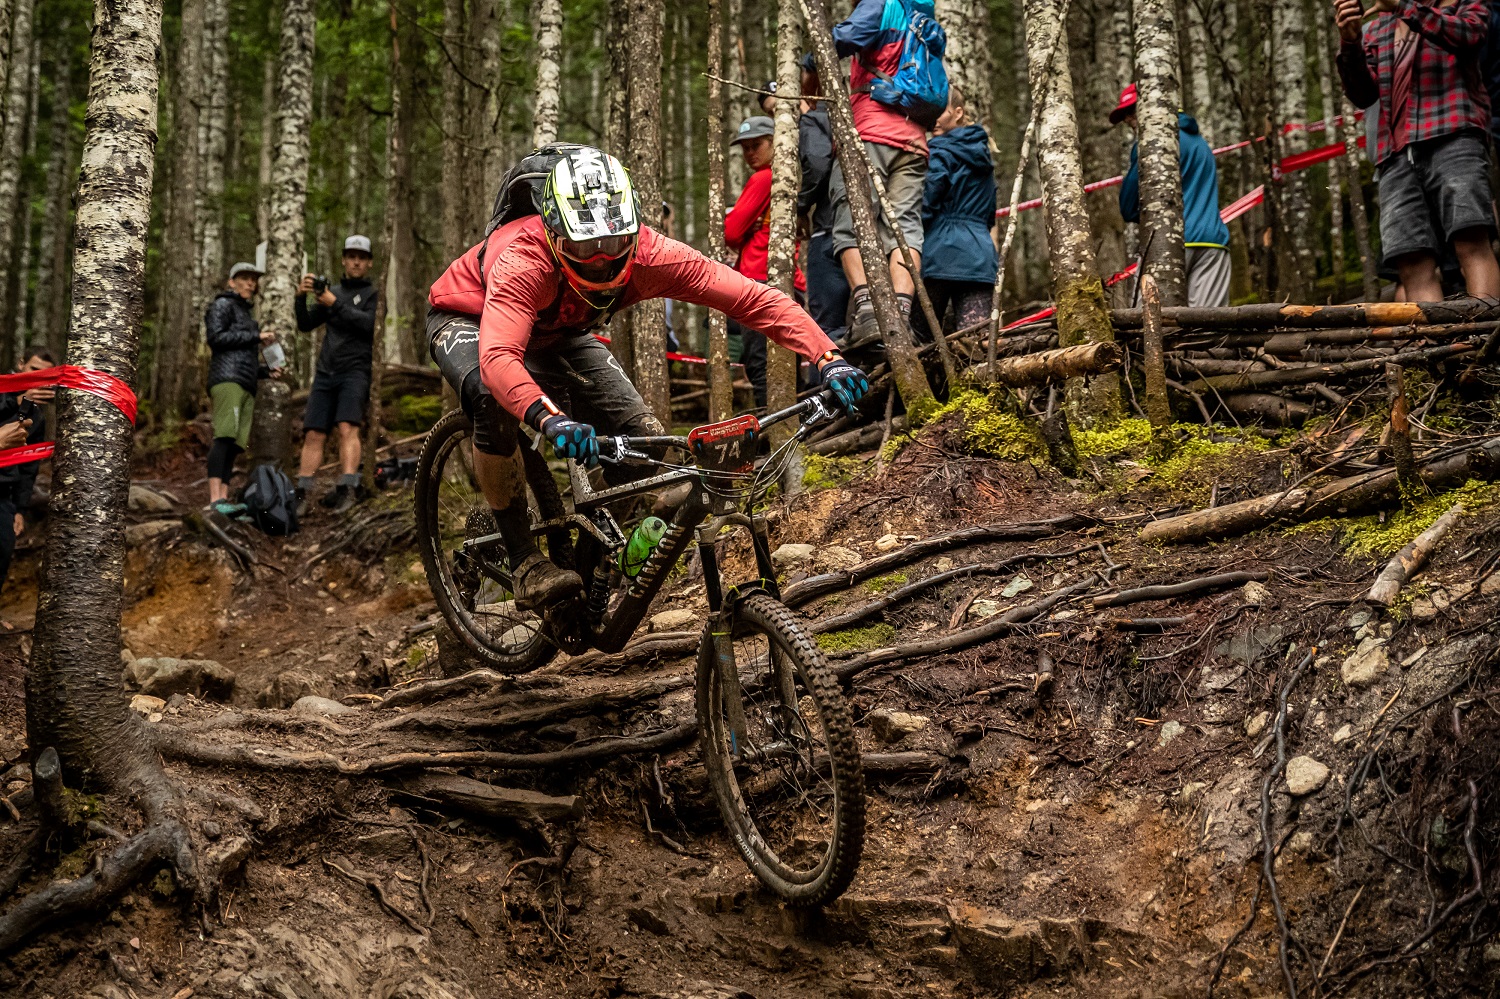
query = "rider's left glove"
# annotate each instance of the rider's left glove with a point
(848, 383)
(569, 438)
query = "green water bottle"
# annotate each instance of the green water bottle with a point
(643, 542)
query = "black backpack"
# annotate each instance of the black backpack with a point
(520, 191)
(270, 500)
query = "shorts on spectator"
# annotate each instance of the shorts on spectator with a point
(904, 175)
(337, 397)
(1431, 190)
(233, 411)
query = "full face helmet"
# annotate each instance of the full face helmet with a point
(592, 218)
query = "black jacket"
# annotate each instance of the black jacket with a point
(815, 150)
(351, 325)
(16, 482)
(234, 337)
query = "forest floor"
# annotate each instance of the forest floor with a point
(1096, 836)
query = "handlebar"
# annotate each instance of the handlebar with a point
(814, 410)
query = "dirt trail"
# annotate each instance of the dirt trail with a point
(1093, 833)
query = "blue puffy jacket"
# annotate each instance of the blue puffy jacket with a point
(958, 207)
(1201, 225)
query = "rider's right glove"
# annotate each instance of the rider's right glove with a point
(848, 383)
(569, 438)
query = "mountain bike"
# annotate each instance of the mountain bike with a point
(776, 732)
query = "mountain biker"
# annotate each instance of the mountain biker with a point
(511, 321)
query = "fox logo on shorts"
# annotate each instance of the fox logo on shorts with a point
(455, 335)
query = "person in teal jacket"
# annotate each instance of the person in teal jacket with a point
(1204, 234)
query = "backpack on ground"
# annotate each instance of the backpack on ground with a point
(270, 500)
(919, 88)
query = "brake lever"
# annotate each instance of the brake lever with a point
(622, 451)
(820, 411)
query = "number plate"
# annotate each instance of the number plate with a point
(726, 446)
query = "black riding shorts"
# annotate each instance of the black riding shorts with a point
(337, 397)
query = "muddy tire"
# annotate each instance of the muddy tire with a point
(791, 791)
(478, 607)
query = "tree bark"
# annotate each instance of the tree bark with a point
(549, 23)
(12, 147)
(1158, 409)
(288, 200)
(50, 317)
(968, 56)
(17, 320)
(1064, 362)
(1076, 288)
(1412, 491)
(1156, 68)
(179, 252)
(1411, 558)
(395, 158)
(1289, 86)
(1357, 211)
(906, 366)
(649, 319)
(211, 268)
(617, 143)
(720, 375)
(455, 97)
(786, 179)
(737, 106)
(1329, 101)
(398, 328)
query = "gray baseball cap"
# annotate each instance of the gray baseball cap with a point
(360, 244)
(243, 268)
(758, 127)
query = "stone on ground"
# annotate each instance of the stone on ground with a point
(1304, 775)
(1168, 731)
(290, 686)
(836, 558)
(790, 555)
(143, 500)
(680, 619)
(315, 705)
(163, 676)
(1256, 724)
(1366, 663)
(140, 535)
(146, 704)
(889, 725)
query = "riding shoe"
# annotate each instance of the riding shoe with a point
(539, 584)
(863, 328)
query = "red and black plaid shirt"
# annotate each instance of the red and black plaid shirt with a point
(1447, 94)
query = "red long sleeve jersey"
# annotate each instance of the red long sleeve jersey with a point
(524, 303)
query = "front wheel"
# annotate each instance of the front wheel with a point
(779, 746)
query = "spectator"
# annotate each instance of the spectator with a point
(1421, 65)
(234, 369)
(1205, 237)
(341, 385)
(896, 148)
(747, 229)
(22, 421)
(958, 210)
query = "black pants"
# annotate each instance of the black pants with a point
(970, 301)
(7, 536)
(827, 288)
(753, 357)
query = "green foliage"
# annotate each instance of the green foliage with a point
(889, 581)
(1369, 536)
(822, 472)
(985, 427)
(416, 413)
(1190, 452)
(857, 639)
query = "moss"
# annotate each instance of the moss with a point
(893, 447)
(164, 884)
(821, 472)
(857, 639)
(986, 428)
(889, 581)
(1191, 446)
(924, 411)
(412, 414)
(416, 656)
(1369, 536)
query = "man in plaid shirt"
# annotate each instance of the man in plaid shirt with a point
(1420, 63)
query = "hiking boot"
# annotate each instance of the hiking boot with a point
(538, 584)
(299, 502)
(330, 499)
(863, 328)
(340, 499)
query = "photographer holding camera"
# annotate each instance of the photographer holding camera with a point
(341, 385)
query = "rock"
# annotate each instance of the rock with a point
(945, 563)
(1411, 660)
(163, 676)
(1255, 594)
(892, 726)
(1358, 620)
(140, 535)
(1424, 609)
(519, 635)
(146, 704)
(1256, 724)
(1301, 842)
(790, 555)
(314, 705)
(1305, 775)
(836, 558)
(676, 620)
(1016, 586)
(983, 608)
(1491, 585)
(887, 542)
(389, 844)
(1168, 731)
(289, 687)
(143, 500)
(1003, 952)
(1492, 953)
(1344, 734)
(1366, 663)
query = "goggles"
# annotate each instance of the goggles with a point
(593, 251)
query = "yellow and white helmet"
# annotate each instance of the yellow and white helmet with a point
(592, 215)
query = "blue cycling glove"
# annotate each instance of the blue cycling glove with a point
(848, 383)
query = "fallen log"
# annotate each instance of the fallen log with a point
(1410, 559)
(1226, 521)
(855, 441)
(902, 766)
(1271, 408)
(485, 801)
(1282, 377)
(1051, 365)
(1188, 587)
(1146, 623)
(539, 714)
(1271, 315)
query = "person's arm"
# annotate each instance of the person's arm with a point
(355, 318)
(744, 218)
(815, 150)
(1130, 190)
(861, 30)
(308, 319)
(1460, 28)
(521, 283)
(935, 188)
(1355, 74)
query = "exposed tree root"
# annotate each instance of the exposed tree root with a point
(1185, 588)
(457, 686)
(540, 714)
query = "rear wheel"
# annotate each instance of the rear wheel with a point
(779, 746)
(469, 582)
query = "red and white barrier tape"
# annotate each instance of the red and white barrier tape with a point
(105, 386)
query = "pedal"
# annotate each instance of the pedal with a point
(566, 623)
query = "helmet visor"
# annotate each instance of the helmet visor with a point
(599, 251)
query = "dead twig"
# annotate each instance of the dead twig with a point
(378, 891)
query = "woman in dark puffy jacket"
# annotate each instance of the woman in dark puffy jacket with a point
(235, 339)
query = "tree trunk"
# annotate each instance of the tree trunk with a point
(454, 140)
(1329, 102)
(617, 143)
(179, 253)
(400, 329)
(720, 375)
(289, 180)
(1076, 288)
(736, 107)
(267, 135)
(1289, 86)
(786, 180)
(17, 319)
(50, 319)
(395, 163)
(1357, 212)
(12, 147)
(1160, 171)
(1158, 409)
(211, 268)
(549, 24)
(648, 322)
(689, 206)
(968, 56)
(911, 378)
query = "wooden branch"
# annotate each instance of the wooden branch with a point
(487, 802)
(1410, 559)
(1264, 406)
(1282, 377)
(1272, 315)
(855, 441)
(540, 714)
(1226, 521)
(902, 766)
(1167, 591)
(1052, 365)
(456, 686)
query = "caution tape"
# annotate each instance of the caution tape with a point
(99, 383)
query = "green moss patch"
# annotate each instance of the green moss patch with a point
(889, 581)
(857, 639)
(1368, 536)
(986, 428)
(412, 414)
(820, 472)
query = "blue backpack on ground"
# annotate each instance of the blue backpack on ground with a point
(919, 89)
(270, 500)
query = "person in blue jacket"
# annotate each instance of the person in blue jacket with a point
(958, 209)
(1205, 237)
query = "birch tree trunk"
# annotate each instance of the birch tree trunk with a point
(1357, 212)
(289, 180)
(648, 323)
(403, 337)
(549, 24)
(736, 105)
(1076, 288)
(617, 143)
(211, 268)
(454, 140)
(786, 180)
(50, 319)
(179, 252)
(1289, 76)
(689, 207)
(906, 367)
(12, 147)
(1160, 170)
(1329, 102)
(17, 319)
(267, 137)
(967, 59)
(720, 375)
(395, 160)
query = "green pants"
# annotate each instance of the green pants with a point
(234, 408)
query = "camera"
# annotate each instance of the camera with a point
(320, 284)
